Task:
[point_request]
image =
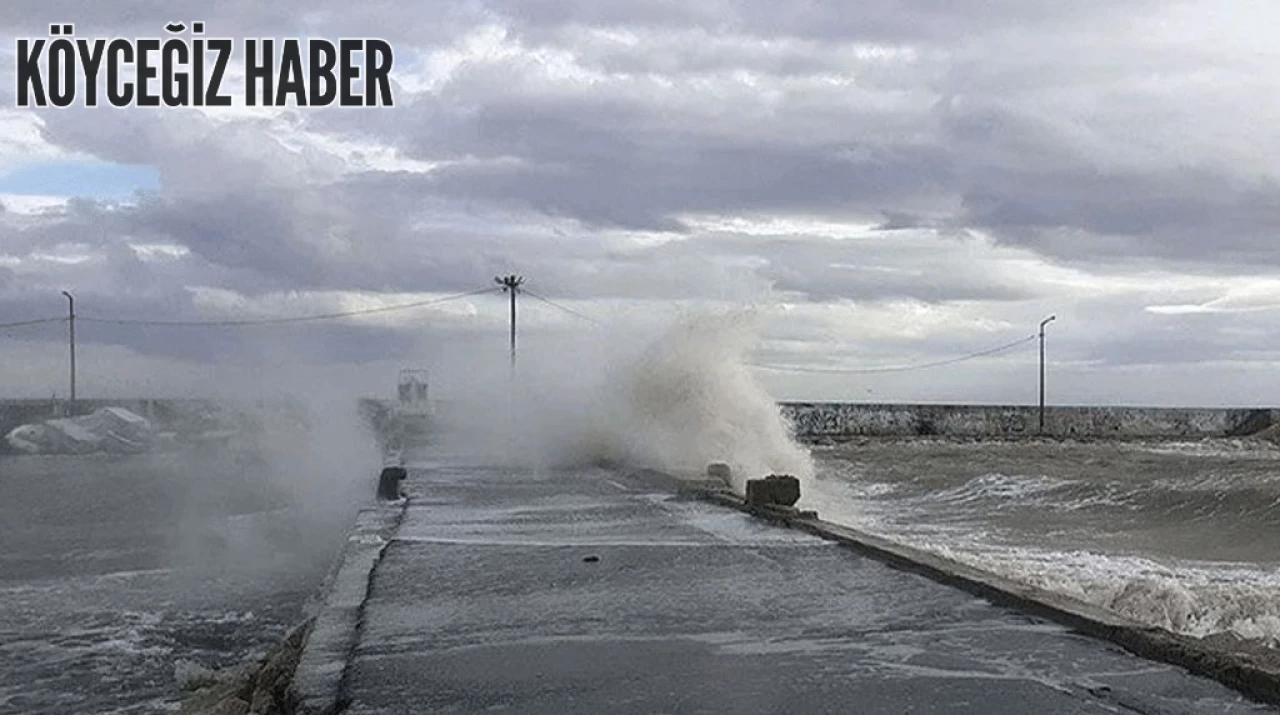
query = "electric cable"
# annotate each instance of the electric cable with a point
(899, 368)
(283, 320)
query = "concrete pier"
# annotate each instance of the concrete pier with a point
(597, 591)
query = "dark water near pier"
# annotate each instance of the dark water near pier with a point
(116, 573)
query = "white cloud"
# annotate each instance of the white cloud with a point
(894, 184)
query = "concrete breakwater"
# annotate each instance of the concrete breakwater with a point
(817, 420)
(810, 420)
(1249, 668)
(542, 603)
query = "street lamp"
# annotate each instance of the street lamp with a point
(1043, 323)
(71, 323)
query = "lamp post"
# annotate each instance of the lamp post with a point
(71, 324)
(1043, 323)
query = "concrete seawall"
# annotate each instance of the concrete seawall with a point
(827, 419)
(853, 419)
(1250, 670)
(844, 419)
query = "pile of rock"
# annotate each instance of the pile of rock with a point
(259, 688)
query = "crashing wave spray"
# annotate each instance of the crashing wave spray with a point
(674, 403)
(690, 399)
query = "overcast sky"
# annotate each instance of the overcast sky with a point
(892, 183)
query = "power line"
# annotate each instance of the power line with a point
(30, 322)
(565, 308)
(293, 319)
(896, 368)
(548, 301)
(900, 368)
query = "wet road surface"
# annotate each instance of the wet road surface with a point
(591, 591)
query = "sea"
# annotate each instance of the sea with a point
(123, 576)
(1180, 535)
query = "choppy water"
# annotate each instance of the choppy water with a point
(1184, 536)
(113, 570)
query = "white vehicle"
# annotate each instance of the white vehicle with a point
(411, 416)
(413, 393)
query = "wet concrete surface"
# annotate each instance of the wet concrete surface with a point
(596, 592)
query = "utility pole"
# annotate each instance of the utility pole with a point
(511, 284)
(1043, 323)
(71, 323)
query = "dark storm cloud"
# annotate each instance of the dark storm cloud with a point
(563, 127)
(390, 19)
(614, 164)
(620, 157)
(870, 20)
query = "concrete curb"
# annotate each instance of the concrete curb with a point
(318, 683)
(1243, 672)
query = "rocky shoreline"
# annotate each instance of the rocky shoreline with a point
(257, 688)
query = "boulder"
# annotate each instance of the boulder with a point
(234, 706)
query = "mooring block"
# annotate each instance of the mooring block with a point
(389, 482)
(785, 489)
(773, 490)
(719, 470)
(759, 492)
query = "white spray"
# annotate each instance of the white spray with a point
(675, 401)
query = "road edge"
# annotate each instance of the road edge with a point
(1240, 671)
(318, 685)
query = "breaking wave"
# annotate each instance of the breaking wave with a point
(1179, 536)
(674, 401)
(691, 399)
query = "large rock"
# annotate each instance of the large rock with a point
(271, 682)
(234, 706)
(230, 696)
(259, 688)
